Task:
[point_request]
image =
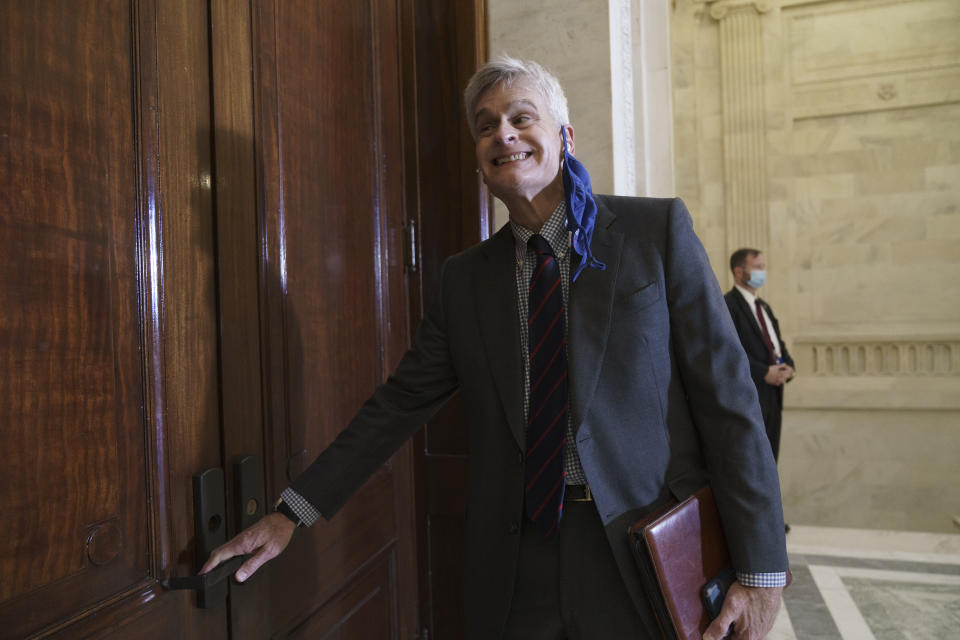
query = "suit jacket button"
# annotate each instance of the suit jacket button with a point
(514, 527)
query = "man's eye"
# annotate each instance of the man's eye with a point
(519, 120)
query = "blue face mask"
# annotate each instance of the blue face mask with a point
(581, 209)
(757, 278)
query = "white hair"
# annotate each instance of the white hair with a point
(506, 70)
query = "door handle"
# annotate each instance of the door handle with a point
(210, 525)
(205, 580)
(210, 529)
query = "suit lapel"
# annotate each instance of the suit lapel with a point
(745, 308)
(496, 286)
(591, 303)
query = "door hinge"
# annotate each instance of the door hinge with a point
(410, 261)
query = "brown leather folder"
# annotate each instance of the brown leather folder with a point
(678, 550)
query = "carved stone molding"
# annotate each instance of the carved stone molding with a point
(916, 62)
(720, 9)
(876, 373)
(897, 357)
(744, 128)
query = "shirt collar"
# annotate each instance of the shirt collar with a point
(751, 298)
(554, 231)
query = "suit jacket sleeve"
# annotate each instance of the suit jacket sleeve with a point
(723, 404)
(418, 387)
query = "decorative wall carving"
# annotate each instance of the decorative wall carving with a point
(719, 9)
(838, 65)
(880, 357)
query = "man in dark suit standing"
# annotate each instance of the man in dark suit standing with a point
(601, 377)
(770, 364)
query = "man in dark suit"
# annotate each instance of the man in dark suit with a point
(770, 364)
(601, 377)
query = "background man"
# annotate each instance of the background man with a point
(770, 364)
(600, 375)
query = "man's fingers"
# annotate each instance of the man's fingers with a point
(730, 613)
(719, 627)
(245, 542)
(212, 562)
(222, 553)
(268, 538)
(752, 610)
(250, 567)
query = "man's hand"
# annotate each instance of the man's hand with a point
(788, 372)
(268, 538)
(751, 610)
(778, 374)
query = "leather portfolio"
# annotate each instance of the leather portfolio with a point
(679, 550)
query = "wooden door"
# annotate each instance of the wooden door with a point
(108, 331)
(200, 259)
(310, 169)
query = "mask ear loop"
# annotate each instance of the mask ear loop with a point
(581, 209)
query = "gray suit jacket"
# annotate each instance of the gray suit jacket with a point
(661, 399)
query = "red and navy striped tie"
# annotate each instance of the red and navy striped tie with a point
(547, 419)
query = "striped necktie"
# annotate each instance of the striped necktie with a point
(547, 420)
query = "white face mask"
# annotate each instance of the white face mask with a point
(757, 278)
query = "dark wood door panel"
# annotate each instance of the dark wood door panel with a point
(329, 159)
(161, 314)
(334, 212)
(363, 609)
(107, 319)
(323, 563)
(454, 215)
(72, 485)
(446, 488)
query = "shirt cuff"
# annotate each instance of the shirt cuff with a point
(300, 506)
(778, 579)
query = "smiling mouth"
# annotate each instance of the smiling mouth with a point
(512, 158)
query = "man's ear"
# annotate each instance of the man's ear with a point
(570, 145)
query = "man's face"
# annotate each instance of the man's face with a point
(752, 263)
(519, 149)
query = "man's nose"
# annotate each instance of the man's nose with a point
(506, 133)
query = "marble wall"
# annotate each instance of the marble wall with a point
(827, 133)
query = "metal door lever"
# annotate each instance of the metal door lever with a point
(204, 580)
(210, 526)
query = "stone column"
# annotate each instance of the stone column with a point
(744, 130)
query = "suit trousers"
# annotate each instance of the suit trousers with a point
(570, 588)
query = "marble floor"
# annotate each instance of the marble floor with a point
(853, 584)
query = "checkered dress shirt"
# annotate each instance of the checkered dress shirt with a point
(554, 231)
